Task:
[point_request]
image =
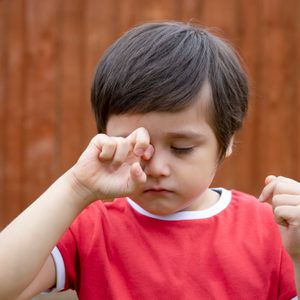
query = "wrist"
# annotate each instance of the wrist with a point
(82, 195)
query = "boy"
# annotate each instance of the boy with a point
(168, 98)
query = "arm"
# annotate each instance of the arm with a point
(45, 279)
(26, 243)
(108, 168)
(284, 195)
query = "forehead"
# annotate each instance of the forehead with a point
(194, 119)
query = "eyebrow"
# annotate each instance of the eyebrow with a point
(185, 135)
(176, 135)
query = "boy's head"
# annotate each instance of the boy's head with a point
(163, 67)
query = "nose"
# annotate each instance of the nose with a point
(158, 165)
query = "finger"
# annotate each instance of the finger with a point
(122, 150)
(267, 192)
(148, 152)
(108, 149)
(96, 144)
(287, 215)
(285, 186)
(137, 174)
(285, 199)
(96, 141)
(140, 141)
(279, 185)
(269, 179)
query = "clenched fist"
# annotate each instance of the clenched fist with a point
(284, 196)
(111, 166)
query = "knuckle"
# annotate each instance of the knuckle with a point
(123, 143)
(95, 139)
(142, 129)
(101, 136)
(276, 200)
(110, 144)
(279, 187)
(99, 139)
(278, 211)
(142, 134)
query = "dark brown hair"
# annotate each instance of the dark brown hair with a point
(162, 67)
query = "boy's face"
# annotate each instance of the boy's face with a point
(185, 157)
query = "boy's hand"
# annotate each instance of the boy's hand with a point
(284, 195)
(111, 166)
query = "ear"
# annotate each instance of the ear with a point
(230, 147)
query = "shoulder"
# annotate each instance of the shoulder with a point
(94, 223)
(249, 207)
(118, 205)
(245, 200)
(99, 213)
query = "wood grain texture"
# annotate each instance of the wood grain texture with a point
(48, 54)
(40, 146)
(13, 109)
(3, 90)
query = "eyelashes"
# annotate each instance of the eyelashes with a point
(182, 150)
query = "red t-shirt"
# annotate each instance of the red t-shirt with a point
(232, 250)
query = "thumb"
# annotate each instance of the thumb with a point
(137, 174)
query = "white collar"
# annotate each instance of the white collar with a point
(219, 206)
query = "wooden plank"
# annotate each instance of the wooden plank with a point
(247, 45)
(40, 164)
(296, 76)
(222, 16)
(126, 15)
(275, 128)
(292, 87)
(14, 110)
(191, 11)
(3, 92)
(72, 68)
(249, 48)
(133, 12)
(222, 19)
(156, 10)
(100, 32)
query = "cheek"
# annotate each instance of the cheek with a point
(204, 163)
(196, 177)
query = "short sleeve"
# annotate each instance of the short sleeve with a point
(67, 247)
(77, 241)
(60, 272)
(287, 285)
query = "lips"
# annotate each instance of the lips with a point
(157, 190)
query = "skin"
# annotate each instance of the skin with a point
(183, 161)
(284, 195)
(138, 157)
(164, 161)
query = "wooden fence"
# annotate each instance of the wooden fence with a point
(48, 52)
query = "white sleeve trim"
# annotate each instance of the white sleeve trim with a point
(295, 298)
(60, 271)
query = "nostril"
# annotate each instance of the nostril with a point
(155, 167)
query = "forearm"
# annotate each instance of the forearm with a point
(26, 243)
(297, 276)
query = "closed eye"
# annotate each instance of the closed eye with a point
(182, 150)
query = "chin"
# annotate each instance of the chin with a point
(160, 211)
(156, 207)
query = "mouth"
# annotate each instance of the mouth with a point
(157, 191)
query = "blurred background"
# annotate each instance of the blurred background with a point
(48, 53)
